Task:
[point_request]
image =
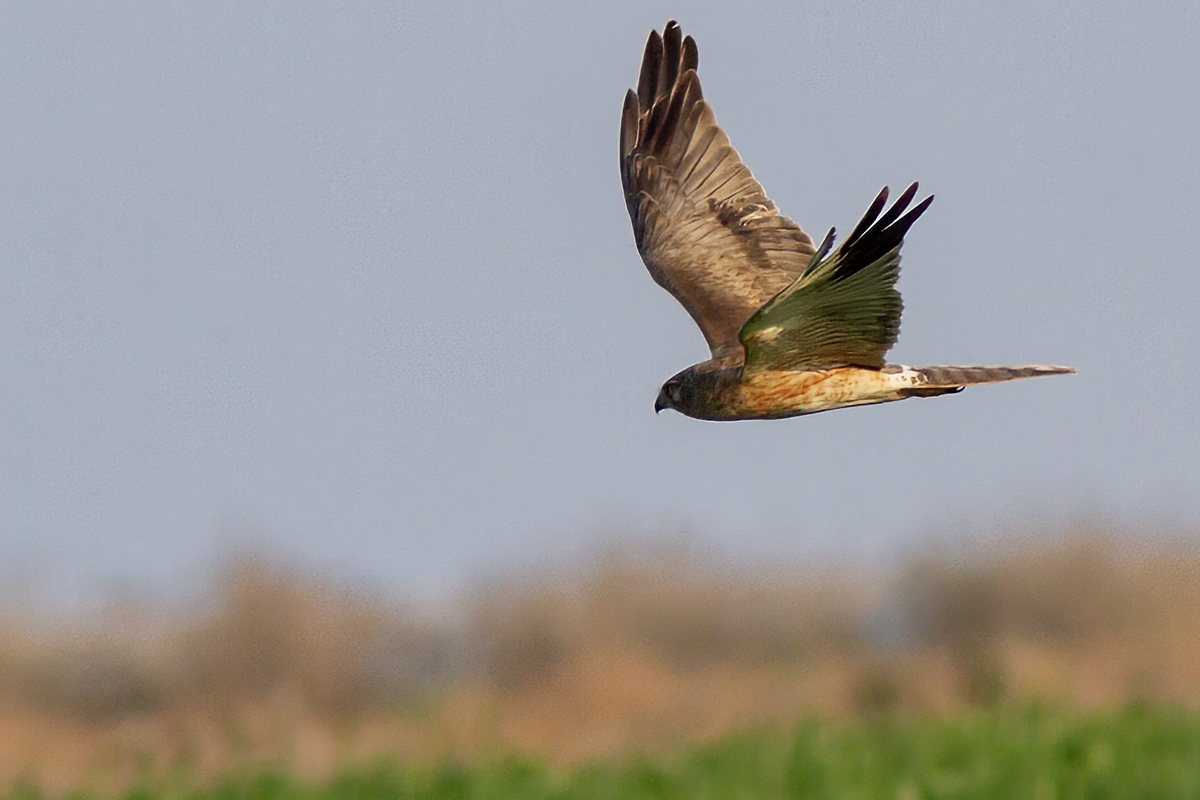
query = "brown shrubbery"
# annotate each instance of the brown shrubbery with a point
(636, 650)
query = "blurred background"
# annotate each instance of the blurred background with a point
(327, 366)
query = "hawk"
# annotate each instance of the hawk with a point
(794, 328)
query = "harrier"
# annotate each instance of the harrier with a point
(793, 328)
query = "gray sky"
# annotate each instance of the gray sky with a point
(357, 283)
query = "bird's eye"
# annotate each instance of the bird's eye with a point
(674, 390)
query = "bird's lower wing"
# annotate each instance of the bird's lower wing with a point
(844, 310)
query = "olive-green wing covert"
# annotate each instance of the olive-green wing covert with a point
(844, 310)
(704, 226)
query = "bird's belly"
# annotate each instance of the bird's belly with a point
(775, 394)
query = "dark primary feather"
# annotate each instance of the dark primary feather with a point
(703, 225)
(845, 309)
(872, 237)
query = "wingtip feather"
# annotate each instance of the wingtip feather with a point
(822, 251)
(651, 65)
(630, 112)
(691, 54)
(668, 73)
(904, 223)
(897, 208)
(868, 219)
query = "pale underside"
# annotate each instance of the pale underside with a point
(789, 393)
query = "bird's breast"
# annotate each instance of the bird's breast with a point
(787, 393)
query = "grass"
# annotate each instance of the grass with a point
(1139, 752)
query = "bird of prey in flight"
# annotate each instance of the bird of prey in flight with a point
(793, 328)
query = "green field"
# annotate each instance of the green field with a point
(1033, 753)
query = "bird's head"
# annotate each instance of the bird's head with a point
(702, 390)
(678, 393)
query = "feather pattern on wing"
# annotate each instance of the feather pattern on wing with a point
(704, 226)
(844, 310)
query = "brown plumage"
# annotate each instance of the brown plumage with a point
(793, 328)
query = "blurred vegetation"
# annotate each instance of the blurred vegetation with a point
(636, 651)
(983, 754)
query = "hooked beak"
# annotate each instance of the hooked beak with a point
(660, 403)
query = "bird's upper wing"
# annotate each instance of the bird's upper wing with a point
(705, 228)
(844, 310)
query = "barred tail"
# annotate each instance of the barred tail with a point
(944, 380)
